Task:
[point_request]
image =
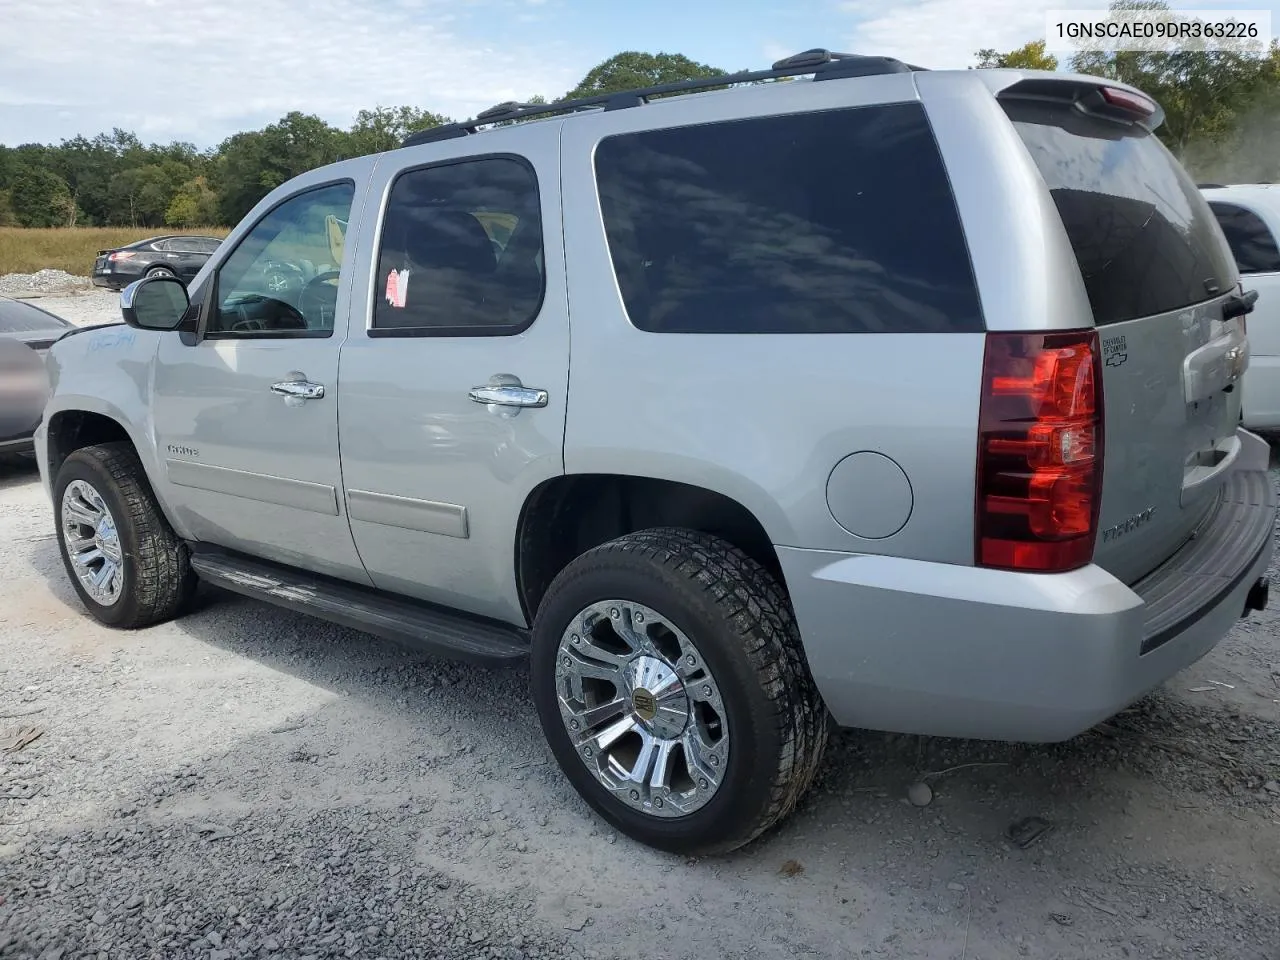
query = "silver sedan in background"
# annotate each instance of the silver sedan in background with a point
(26, 333)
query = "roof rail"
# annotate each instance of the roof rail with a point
(823, 64)
(1209, 186)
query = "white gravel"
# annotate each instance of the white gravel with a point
(82, 304)
(246, 782)
(41, 283)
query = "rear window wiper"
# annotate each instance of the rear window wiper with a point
(1237, 305)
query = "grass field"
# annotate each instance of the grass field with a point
(73, 249)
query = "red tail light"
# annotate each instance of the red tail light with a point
(1039, 451)
(122, 255)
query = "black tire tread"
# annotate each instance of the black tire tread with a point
(752, 601)
(163, 580)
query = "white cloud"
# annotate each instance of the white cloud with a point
(200, 71)
(943, 34)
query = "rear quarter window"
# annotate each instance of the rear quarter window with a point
(837, 221)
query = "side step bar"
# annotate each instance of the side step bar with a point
(412, 623)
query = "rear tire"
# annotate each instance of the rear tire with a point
(105, 514)
(656, 604)
(160, 272)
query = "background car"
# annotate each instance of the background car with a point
(1249, 214)
(26, 333)
(170, 256)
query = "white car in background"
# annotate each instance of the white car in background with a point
(1249, 214)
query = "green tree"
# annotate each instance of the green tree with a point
(384, 128)
(1029, 56)
(632, 69)
(41, 198)
(195, 204)
(250, 165)
(7, 217)
(1203, 93)
(146, 191)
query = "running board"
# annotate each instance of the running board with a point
(409, 622)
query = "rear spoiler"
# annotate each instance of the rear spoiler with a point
(1096, 96)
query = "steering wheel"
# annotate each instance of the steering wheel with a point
(289, 318)
(312, 291)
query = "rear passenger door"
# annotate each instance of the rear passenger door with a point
(454, 378)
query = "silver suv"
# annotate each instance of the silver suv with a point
(883, 398)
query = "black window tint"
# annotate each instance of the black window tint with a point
(832, 222)
(1251, 242)
(18, 317)
(1143, 235)
(282, 278)
(461, 250)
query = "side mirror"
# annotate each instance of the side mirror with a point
(154, 303)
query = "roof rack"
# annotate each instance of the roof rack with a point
(823, 64)
(1209, 186)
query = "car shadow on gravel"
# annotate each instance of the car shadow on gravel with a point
(1107, 818)
(1224, 756)
(17, 470)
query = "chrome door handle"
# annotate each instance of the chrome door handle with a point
(507, 395)
(298, 389)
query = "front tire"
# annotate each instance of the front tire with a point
(125, 562)
(671, 684)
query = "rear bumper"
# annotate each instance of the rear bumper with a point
(946, 650)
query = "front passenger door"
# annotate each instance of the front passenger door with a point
(246, 418)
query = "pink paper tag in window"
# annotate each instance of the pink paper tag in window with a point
(397, 287)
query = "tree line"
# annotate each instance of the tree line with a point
(1222, 118)
(113, 179)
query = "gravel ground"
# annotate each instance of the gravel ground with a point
(72, 298)
(250, 783)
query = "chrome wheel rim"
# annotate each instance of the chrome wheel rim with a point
(93, 542)
(642, 709)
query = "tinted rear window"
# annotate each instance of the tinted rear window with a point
(16, 317)
(834, 222)
(1143, 235)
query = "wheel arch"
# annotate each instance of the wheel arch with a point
(567, 515)
(83, 422)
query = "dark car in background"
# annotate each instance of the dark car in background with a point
(26, 334)
(168, 256)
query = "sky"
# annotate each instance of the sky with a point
(201, 70)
